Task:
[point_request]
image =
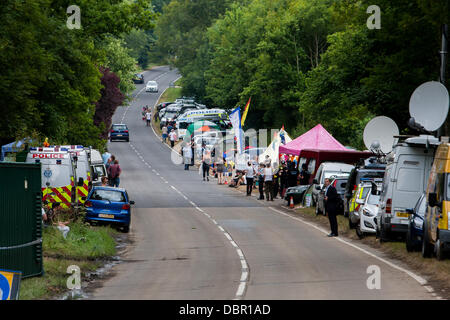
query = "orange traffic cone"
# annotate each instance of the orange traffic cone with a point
(291, 203)
(226, 181)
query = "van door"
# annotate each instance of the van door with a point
(408, 185)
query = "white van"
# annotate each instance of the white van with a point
(57, 174)
(326, 170)
(98, 169)
(405, 179)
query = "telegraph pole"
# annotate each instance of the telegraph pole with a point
(442, 77)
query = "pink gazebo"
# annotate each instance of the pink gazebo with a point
(317, 138)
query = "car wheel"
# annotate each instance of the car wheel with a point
(384, 236)
(351, 225)
(359, 233)
(128, 140)
(439, 249)
(427, 250)
(409, 241)
(126, 229)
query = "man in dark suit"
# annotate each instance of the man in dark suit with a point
(331, 203)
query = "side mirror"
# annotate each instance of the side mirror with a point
(409, 211)
(432, 200)
(132, 202)
(80, 182)
(318, 188)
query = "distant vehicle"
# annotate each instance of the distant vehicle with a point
(138, 78)
(368, 211)
(339, 182)
(152, 86)
(185, 100)
(296, 193)
(405, 179)
(326, 170)
(168, 114)
(414, 235)
(368, 170)
(162, 105)
(107, 205)
(119, 131)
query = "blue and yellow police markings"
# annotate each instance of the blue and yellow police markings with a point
(9, 284)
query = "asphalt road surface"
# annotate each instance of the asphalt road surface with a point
(197, 240)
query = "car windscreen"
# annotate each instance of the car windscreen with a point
(169, 114)
(373, 199)
(119, 127)
(151, 83)
(111, 195)
(328, 174)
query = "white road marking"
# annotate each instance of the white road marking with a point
(416, 277)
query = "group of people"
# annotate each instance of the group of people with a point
(147, 115)
(169, 131)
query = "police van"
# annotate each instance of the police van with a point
(191, 116)
(57, 174)
(405, 179)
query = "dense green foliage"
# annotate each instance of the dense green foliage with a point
(50, 79)
(305, 62)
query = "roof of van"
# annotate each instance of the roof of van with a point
(423, 140)
(336, 166)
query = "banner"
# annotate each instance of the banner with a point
(235, 118)
(244, 115)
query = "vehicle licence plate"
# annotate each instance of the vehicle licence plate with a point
(402, 215)
(119, 135)
(110, 216)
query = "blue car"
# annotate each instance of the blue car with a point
(414, 235)
(119, 131)
(108, 205)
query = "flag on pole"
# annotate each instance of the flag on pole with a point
(244, 114)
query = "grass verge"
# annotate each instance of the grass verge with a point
(436, 272)
(85, 246)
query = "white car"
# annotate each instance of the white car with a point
(152, 86)
(368, 212)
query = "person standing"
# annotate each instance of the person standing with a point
(283, 174)
(268, 182)
(261, 181)
(293, 174)
(220, 165)
(304, 175)
(331, 200)
(249, 175)
(187, 155)
(172, 137)
(206, 162)
(276, 184)
(148, 116)
(164, 133)
(114, 172)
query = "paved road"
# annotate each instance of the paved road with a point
(198, 240)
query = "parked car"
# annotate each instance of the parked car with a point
(167, 114)
(368, 169)
(436, 225)
(414, 235)
(359, 198)
(405, 179)
(119, 131)
(162, 105)
(339, 183)
(326, 170)
(152, 86)
(368, 211)
(108, 205)
(296, 193)
(138, 78)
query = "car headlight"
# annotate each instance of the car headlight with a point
(367, 213)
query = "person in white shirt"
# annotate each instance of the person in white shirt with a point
(172, 137)
(148, 116)
(187, 155)
(249, 175)
(268, 183)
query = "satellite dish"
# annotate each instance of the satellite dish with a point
(379, 134)
(429, 105)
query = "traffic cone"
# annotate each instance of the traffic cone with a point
(291, 203)
(226, 181)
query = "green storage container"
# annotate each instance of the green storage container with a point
(21, 218)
